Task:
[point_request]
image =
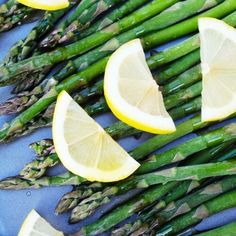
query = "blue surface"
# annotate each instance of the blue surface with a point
(15, 205)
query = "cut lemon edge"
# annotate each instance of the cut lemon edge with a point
(217, 61)
(34, 225)
(49, 5)
(132, 53)
(97, 157)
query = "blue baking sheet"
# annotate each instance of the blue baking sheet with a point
(15, 205)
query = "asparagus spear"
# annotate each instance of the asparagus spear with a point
(228, 230)
(17, 183)
(118, 13)
(211, 207)
(177, 154)
(141, 226)
(160, 21)
(107, 33)
(107, 222)
(184, 80)
(178, 67)
(85, 19)
(192, 146)
(71, 199)
(80, 9)
(24, 47)
(186, 204)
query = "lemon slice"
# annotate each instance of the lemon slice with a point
(50, 5)
(35, 225)
(131, 92)
(218, 62)
(85, 148)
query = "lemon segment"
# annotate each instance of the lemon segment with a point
(49, 5)
(35, 225)
(131, 92)
(218, 53)
(85, 148)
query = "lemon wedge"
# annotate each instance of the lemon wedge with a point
(50, 5)
(218, 62)
(35, 225)
(85, 148)
(131, 92)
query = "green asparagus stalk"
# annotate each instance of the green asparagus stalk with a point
(178, 67)
(178, 153)
(118, 13)
(71, 199)
(184, 80)
(17, 183)
(24, 47)
(85, 19)
(158, 22)
(107, 222)
(181, 152)
(141, 226)
(38, 167)
(129, 208)
(107, 33)
(228, 230)
(51, 40)
(186, 204)
(220, 203)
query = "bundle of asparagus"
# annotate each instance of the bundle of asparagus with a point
(197, 161)
(22, 49)
(166, 56)
(82, 21)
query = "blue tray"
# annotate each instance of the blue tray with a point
(15, 205)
